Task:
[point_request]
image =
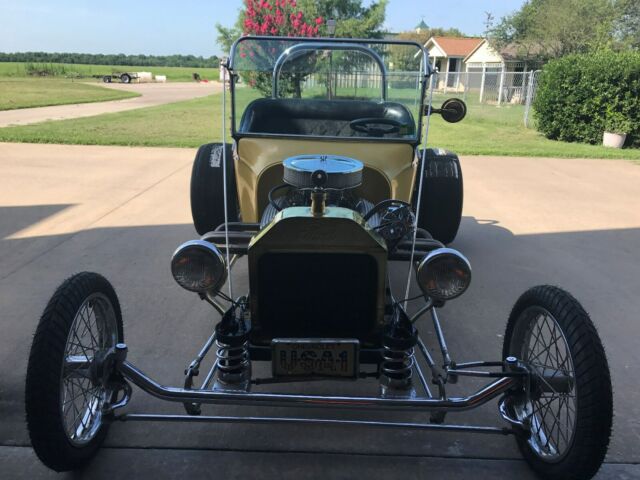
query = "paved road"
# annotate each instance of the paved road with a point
(122, 211)
(151, 94)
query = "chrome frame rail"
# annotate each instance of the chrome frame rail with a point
(174, 394)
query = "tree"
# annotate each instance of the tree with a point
(299, 18)
(283, 18)
(628, 23)
(554, 28)
(353, 20)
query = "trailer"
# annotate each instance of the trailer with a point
(124, 77)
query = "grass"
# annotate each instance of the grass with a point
(183, 124)
(174, 74)
(41, 92)
(487, 130)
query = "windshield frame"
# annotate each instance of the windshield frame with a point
(425, 72)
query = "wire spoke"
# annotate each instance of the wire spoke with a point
(551, 413)
(93, 329)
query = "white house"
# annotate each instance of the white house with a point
(502, 71)
(447, 54)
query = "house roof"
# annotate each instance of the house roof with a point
(456, 46)
(510, 52)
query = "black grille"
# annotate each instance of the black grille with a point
(316, 295)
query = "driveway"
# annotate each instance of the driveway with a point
(122, 211)
(151, 94)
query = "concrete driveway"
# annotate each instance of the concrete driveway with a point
(151, 94)
(122, 211)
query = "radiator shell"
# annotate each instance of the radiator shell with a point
(333, 285)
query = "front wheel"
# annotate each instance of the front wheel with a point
(569, 411)
(64, 403)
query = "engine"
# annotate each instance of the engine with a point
(392, 220)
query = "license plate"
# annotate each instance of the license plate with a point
(314, 357)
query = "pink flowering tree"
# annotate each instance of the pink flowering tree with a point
(279, 18)
(282, 18)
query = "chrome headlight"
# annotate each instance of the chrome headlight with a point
(444, 274)
(198, 266)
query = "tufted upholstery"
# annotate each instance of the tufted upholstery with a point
(319, 117)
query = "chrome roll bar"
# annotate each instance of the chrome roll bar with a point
(298, 50)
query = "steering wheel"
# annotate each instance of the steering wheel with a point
(375, 127)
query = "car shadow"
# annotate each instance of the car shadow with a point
(165, 326)
(16, 218)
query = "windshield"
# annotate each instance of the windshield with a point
(326, 87)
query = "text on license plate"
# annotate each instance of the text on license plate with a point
(315, 357)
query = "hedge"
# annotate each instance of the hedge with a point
(581, 96)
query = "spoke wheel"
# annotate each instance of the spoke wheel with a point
(93, 330)
(569, 408)
(64, 399)
(551, 414)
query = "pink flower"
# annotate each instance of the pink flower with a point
(319, 20)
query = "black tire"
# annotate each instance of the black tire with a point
(125, 78)
(44, 384)
(106, 79)
(442, 195)
(591, 389)
(207, 188)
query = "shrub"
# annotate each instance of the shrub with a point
(581, 96)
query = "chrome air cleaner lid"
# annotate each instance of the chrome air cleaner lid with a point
(341, 172)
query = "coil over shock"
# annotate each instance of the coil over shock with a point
(398, 342)
(232, 348)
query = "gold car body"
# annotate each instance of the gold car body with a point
(389, 167)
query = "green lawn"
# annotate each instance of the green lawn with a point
(40, 92)
(174, 74)
(487, 130)
(182, 124)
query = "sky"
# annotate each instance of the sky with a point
(165, 27)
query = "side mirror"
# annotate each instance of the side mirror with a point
(453, 110)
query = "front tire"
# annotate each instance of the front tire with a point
(442, 194)
(64, 408)
(570, 430)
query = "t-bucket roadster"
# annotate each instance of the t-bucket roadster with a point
(327, 181)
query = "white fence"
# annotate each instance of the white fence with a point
(478, 87)
(493, 87)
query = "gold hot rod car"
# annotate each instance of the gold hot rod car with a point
(326, 181)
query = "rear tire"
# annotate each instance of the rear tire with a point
(442, 195)
(63, 410)
(569, 430)
(207, 188)
(125, 78)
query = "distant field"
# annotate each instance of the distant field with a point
(487, 130)
(174, 74)
(40, 92)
